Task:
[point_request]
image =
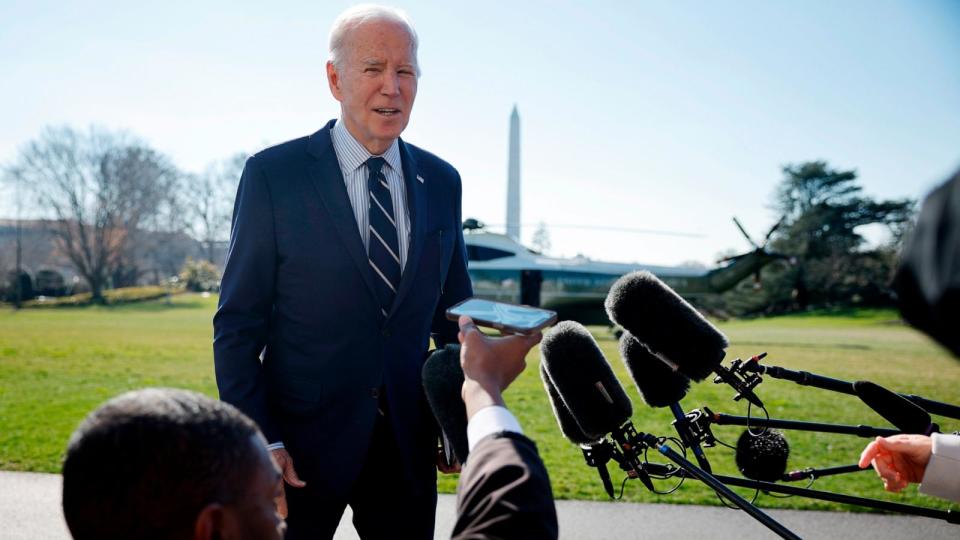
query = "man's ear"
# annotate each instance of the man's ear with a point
(210, 523)
(333, 79)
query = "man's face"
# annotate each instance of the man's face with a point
(376, 83)
(254, 516)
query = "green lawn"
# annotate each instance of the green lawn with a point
(57, 364)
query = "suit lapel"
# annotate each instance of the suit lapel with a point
(328, 179)
(417, 206)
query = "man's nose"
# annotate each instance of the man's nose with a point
(391, 84)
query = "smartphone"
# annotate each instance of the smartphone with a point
(503, 316)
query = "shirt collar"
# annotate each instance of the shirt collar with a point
(351, 154)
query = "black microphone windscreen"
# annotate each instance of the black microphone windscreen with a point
(764, 456)
(442, 382)
(658, 383)
(906, 415)
(666, 323)
(584, 379)
(568, 425)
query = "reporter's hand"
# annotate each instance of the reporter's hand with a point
(899, 460)
(490, 364)
(285, 462)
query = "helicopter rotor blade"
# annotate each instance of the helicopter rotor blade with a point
(744, 232)
(773, 230)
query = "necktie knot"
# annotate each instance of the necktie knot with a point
(374, 165)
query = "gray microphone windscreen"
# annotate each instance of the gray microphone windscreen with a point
(659, 318)
(659, 385)
(584, 379)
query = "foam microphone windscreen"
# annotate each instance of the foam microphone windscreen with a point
(583, 379)
(666, 323)
(442, 382)
(906, 415)
(658, 383)
(764, 456)
(568, 425)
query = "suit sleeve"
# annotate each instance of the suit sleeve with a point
(246, 300)
(942, 476)
(457, 286)
(504, 492)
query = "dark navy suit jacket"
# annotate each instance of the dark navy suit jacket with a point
(298, 284)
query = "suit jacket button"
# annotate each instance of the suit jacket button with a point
(385, 333)
(375, 393)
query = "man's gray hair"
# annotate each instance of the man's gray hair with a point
(363, 13)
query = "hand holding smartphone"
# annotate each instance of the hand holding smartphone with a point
(503, 316)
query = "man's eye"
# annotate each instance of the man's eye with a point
(372, 70)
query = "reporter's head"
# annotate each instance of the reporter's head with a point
(164, 463)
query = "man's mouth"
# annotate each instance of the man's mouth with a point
(387, 111)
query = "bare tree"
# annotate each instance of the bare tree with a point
(541, 238)
(99, 188)
(209, 201)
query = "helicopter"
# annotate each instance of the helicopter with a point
(504, 270)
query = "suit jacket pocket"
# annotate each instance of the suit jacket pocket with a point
(296, 396)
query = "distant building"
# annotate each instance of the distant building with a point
(156, 255)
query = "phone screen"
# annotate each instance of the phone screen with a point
(500, 315)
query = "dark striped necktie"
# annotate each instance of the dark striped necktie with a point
(384, 246)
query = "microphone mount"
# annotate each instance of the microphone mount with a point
(742, 381)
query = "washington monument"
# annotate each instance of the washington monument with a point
(513, 178)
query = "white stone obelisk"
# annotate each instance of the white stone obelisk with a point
(513, 178)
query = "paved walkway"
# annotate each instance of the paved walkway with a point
(30, 509)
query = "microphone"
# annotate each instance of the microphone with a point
(568, 425)
(587, 386)
(442, 382)
(597, 451)
(672, 329)
(905, 415)
(582, 376)
(762, 457)
(660, 386)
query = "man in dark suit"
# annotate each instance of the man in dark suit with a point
(345, 251)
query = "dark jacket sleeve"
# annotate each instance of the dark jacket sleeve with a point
(246, 300)
(504, 492)
(928, 280)
(457, 286)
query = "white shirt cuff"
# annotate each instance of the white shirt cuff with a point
(942, 477)
(489, 420)
(275, 446)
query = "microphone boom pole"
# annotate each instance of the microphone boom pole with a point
(805, 378)
(946, 515)
(717, 485)
(858, 430)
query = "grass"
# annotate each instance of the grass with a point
(57, 365)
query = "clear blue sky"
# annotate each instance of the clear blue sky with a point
(654, 115)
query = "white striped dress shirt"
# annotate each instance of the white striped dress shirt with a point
(352, 157)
